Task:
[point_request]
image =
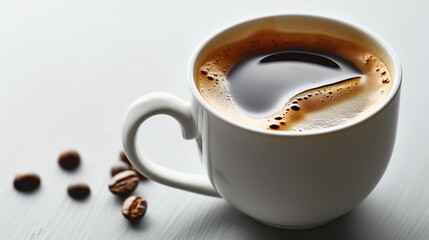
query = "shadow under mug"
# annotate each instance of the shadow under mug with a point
(284, 179)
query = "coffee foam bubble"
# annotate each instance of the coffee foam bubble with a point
(313, 109)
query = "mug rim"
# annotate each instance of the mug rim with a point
(386, 48)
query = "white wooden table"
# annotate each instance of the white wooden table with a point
(69, 70)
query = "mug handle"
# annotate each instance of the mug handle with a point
(148, 106)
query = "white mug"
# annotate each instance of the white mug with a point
(284, 179)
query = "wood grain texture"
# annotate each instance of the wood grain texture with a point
(69, 70)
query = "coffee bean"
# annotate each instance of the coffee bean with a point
(141, 176)
(134, 208)
(124, 183)
(119, 167)
(124, 157)
(69, 159)
(78, 190)
(26, 182)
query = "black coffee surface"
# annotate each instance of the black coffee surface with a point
(260, 85)
(289, 81)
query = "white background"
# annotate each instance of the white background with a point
(69, 70)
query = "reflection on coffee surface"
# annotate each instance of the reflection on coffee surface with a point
(293, 81)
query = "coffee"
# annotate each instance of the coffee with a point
(134, 208)
(293, 81)
(78, 190)
(118, 167)
(69, 159)
(124, 183)
(26, 181)
(123, 157)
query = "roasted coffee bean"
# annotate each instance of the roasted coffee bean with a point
(26, 181)
(69, 159)
(78, 190)
(134, 208)
(141, 176)
(124, 157)
(124, 182)
(119, 167)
